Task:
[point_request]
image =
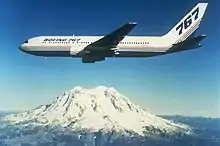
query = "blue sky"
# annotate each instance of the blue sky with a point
(186, 83)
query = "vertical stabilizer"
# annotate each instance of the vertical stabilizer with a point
(188, 25)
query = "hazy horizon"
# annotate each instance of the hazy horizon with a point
(149, 110)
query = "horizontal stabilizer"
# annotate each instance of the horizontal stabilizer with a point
(188, 44)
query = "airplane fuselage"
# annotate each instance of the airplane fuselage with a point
(70, 46)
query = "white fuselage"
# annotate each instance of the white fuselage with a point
(130, 46)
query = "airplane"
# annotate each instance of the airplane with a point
(118, 44)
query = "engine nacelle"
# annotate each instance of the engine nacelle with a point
(92, 58)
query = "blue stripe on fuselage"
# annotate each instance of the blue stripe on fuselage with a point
(67, 54)
(138, 54)
(50, 53)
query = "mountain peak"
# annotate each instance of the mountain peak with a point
(94, 109)
(99, 88)
(77, 88)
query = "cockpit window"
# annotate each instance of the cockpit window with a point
(25, 42)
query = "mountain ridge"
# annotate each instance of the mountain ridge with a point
(99, 108)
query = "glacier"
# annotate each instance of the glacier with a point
(84, 115)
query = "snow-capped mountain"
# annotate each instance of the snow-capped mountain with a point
(100, 108)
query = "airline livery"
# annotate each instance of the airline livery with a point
(118, 44)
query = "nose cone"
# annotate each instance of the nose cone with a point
(23, 48)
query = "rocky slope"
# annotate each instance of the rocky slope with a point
(87, 111)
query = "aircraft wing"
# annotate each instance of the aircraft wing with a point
(187, 44)
(98, 50)
(112, 39)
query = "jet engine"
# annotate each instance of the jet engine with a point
(92, 58)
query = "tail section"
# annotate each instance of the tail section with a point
(188, 25)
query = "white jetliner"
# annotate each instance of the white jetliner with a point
(118, 44)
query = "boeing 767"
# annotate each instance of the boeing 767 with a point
(119, 44)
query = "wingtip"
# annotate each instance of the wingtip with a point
(134, 23)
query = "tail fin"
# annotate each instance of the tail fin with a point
(187, 25)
